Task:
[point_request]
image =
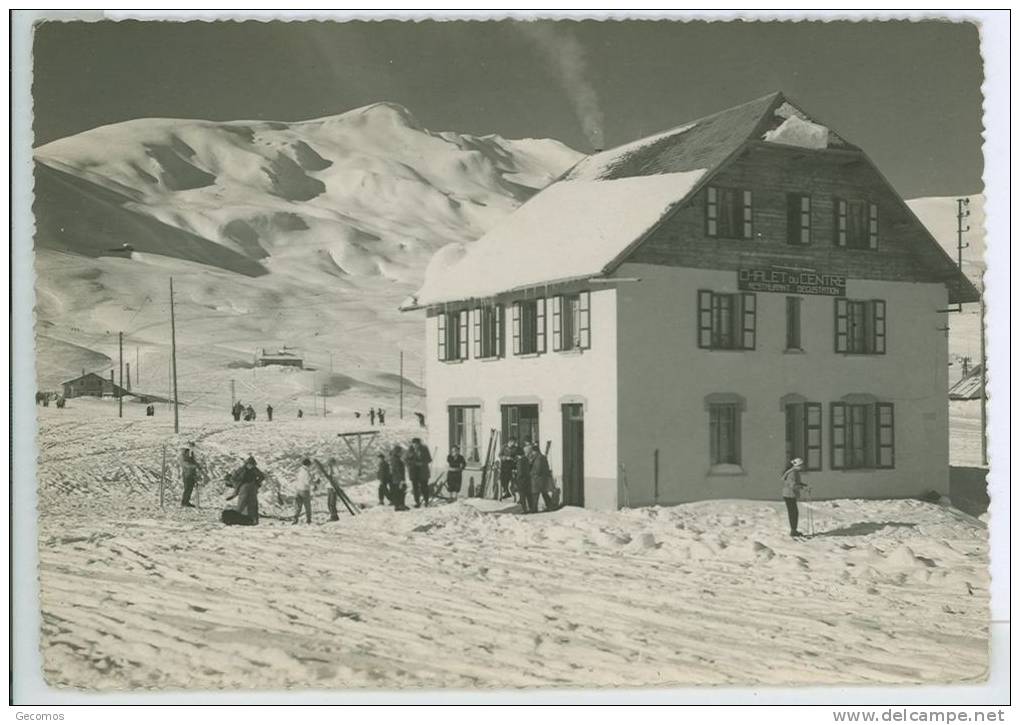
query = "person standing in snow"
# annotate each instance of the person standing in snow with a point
(792, 488)
(300, 413)
(522, 479)
(382, 474)
(269, 412)
(421, 419)
(303, 491)
(454, 474)
(189, 474)
(371, 416)
(382, 416)
(507, 461)
(246, 482)
(398, 489)
(418, 460)
(541, 478)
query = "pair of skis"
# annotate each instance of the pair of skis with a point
(491, 454)
(344, 498)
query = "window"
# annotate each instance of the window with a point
(529, 326)
(856, 224)
(724, 433)
(726, 321)
(520, 422)
(804, 434)
(860, 326)
(465, 428)
(571, 321)
(798, 219)
(793, 323)
(453, 335)
(728, 213)
(488, 331)
(862, 435)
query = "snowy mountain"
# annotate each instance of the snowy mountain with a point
(305, 234)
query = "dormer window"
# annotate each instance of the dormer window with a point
(728, 213)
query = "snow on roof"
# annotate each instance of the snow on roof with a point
(796, 131)
(573, 229)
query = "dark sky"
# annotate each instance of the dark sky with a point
(908, 93)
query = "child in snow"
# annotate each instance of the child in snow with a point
(792, 488)
(303, 491)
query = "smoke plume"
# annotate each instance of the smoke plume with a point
(566, 57)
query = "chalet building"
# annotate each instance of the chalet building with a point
(286, 356)
(93, 385)
(678, 317)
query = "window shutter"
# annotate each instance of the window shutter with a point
(540, 324)
(842, 325)
(500, 349)
(557, 322)
(584, 326)
(872, 226)
(462, 335)
(441, 327)
(478, 332)
(515, 324)
(704, 319)
(837, 458)
(748, 227)
(793, 219)
(805, 220)
(813, 436)
(749, 319)
(839, 222)
(712, 212)
(878, 326)
(886, 442)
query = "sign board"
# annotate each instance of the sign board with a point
(791, 281)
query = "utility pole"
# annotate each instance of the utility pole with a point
(984, 379)
(173, 356)
(401, 384)
(120, 383)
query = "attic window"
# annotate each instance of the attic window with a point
(728, 213)
(856, 224)
(798, 219)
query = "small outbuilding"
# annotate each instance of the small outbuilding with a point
(94, 385)
(287, 356)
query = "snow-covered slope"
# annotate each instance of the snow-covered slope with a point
(306, 234)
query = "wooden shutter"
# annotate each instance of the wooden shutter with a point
(839, 222)
(500, 350)
(584, 320)
(872, 226)
(878, 326)
(812, 436)
(749, 315)
(462, 335)
(441, 328)
(886, 441)
(515, 327)
(837, 436)
(712, 212)
(478, 332)
(842, 325)
(793, 323)
(704, 319)
(793, 219)
(540, 324)
(557, 322)
(747, 218)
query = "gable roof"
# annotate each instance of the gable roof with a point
(585, 224)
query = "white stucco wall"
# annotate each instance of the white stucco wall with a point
(664, 378)
(549, 380)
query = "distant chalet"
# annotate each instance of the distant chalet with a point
(93, 385)
(285, 356)
(677, 318)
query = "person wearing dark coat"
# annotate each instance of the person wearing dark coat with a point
(371, 416)
(300, 413)
(381, 414)
(398, 489)
(522, 480)
(246, 481)
(421, 419)
(418, 460)
(269, 412)
(237, 410)
(507, 461)
(456, 465)
(382, 473)
(541, 478)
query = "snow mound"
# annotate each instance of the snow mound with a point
(795, 131)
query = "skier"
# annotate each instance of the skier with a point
(418, 460)
(189, 474)
(371, 415)
(236, 411)
(382, 473)
(300, 413)
(382, 416)
(303, 491)
(398, 488)
(541, 478)
(249, 413)
(246, 481)
(792, 488)
(269, 412)
(454, 474)
(507, 460)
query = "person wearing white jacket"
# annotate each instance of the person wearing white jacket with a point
(303, 485)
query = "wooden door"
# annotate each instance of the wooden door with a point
(573, 454)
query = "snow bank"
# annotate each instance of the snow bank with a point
(572, 229)
(796, 131)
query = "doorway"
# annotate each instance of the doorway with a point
(573, 454)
